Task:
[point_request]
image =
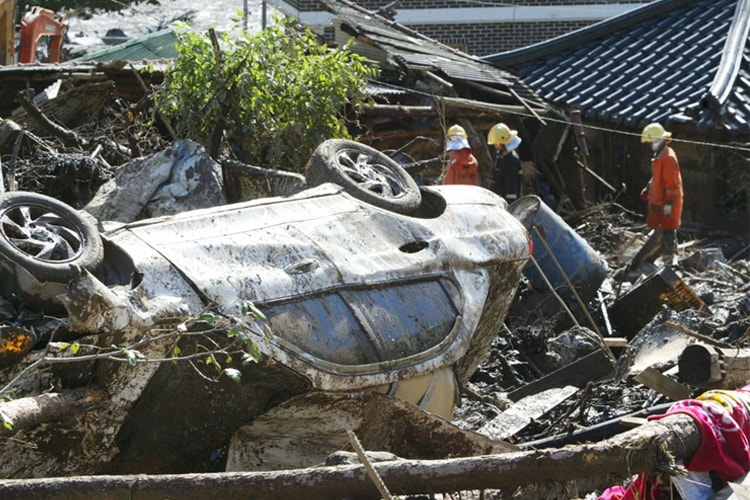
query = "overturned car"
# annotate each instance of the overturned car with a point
(360, 282)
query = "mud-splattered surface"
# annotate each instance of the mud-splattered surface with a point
(539, 337)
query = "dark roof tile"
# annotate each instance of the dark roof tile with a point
(670, 59)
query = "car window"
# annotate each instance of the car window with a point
(366, 325)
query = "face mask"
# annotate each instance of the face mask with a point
(456, 142)
(513, 144)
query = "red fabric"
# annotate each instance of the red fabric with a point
(723, 418)
(642, 488)
(462, 169)
(725, 426)
(665, 188)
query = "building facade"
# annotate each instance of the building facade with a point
(477, 27)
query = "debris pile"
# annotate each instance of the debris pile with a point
(574, 363)
(653, 335)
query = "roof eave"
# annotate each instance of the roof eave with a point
(584, 35)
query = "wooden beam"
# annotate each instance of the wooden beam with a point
(654, 379)
(593, 366)
(647, 448)
(398, 109)
(485, 107)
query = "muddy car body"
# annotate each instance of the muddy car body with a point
(355, 297)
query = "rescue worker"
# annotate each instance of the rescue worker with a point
(463, 167)
(507, 171)
(664, 190)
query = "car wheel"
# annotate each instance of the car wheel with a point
(365, 173)
(46, 237)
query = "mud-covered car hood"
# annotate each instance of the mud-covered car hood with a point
(352, 293)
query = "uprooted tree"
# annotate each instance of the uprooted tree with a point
(271, 97)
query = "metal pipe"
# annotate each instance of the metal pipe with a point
(567, 280)
(552, 289)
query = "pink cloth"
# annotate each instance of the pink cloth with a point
(723, 418)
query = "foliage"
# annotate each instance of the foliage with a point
(277, 94)
(216, 339)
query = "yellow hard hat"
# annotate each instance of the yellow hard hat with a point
(456, 130)
(501, 134)
(653, 132)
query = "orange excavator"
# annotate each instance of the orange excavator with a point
(36, 24)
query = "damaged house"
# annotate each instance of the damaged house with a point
(425, 86)
(683, 63)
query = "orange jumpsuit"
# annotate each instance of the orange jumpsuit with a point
(462, 169)
(664, 188)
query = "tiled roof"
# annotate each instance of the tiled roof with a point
(669, 61)
(409, 50)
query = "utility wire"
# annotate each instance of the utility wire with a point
(585, 126)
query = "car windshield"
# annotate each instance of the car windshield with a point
(358, 326)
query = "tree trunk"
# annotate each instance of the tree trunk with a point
(27, 412)
(650, 447)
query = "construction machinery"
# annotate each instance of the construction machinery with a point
(36, 24)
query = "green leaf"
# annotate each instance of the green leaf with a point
(7, 422)
(252, 309)
(132, 356)
(59, 345)
(248, 358)
(233, 374)
(176, 352)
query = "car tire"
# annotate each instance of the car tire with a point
(365, 173)
(47, 237)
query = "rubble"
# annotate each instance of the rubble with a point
(645, 336)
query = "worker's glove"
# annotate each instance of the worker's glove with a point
(644, 193)
(667, 210)
(656, 208)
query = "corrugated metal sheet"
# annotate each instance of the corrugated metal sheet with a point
(670, 61)
(158, 45)
(412, 51)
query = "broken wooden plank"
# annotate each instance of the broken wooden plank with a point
(398, 110)
(646, 448)
(482, 106)
(302, 431)
(654, 379)
(526, 410)
(703, 338)
(593, 366)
